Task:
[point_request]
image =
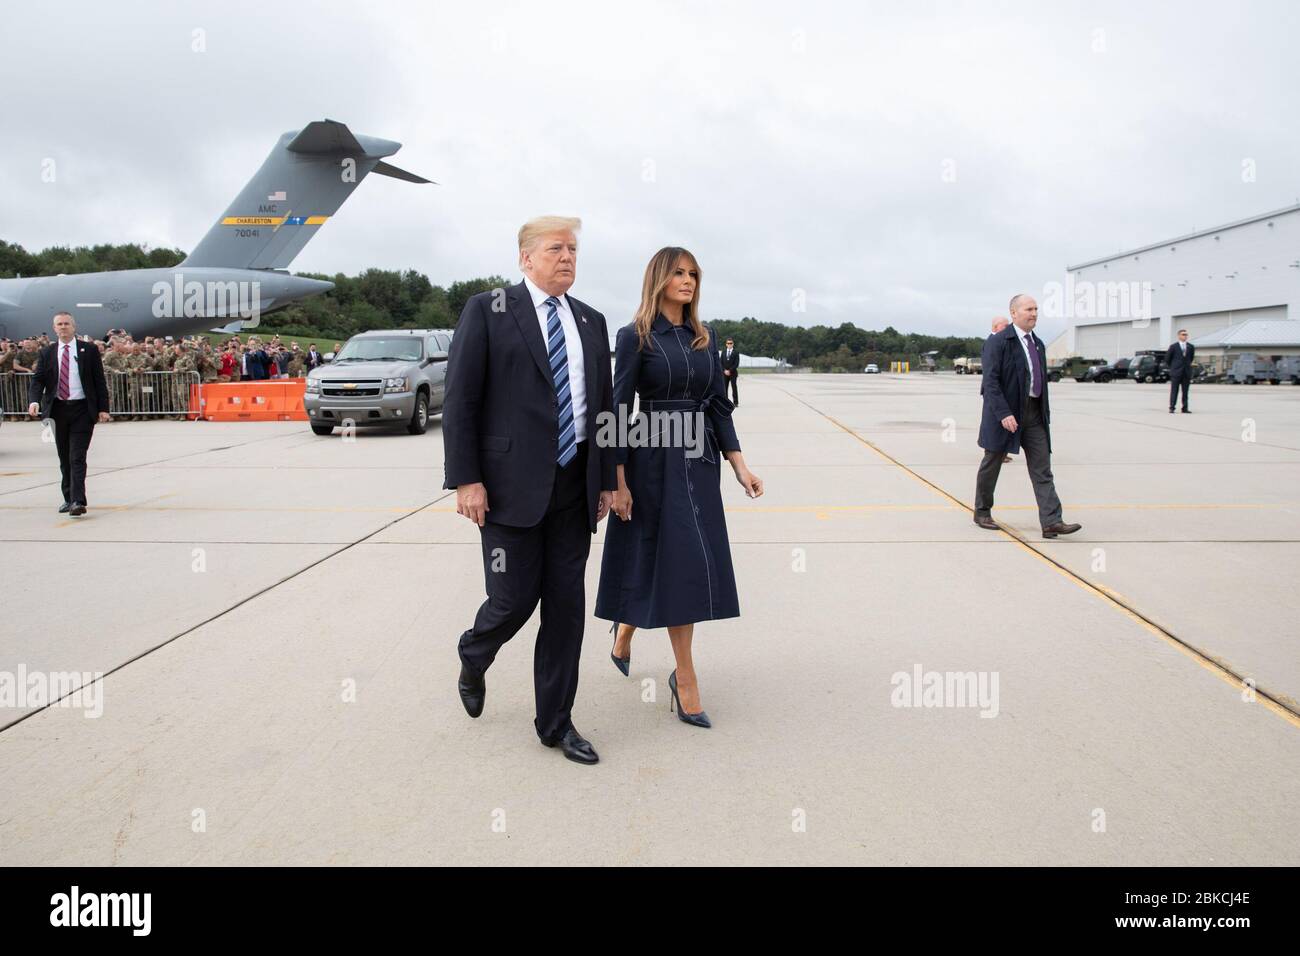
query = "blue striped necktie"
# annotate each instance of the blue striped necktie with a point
(559, 359)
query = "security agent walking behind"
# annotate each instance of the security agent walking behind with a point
(69, 386)
(1017, 414)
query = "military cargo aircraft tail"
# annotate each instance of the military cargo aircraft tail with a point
(307, 177)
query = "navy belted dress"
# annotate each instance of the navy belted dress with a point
(671, 563)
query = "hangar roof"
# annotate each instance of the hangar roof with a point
(1253, 332)
(1190, 235)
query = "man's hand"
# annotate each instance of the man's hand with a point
(33, 409)
(727, 372)
(471, 501)
(602, 505)
(103, 417)
(1009, 423)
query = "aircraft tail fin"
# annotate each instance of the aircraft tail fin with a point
(303, 182)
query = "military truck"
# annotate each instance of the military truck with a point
(968, 365)
(1073, 367)
(1251, 368)
(382, 377)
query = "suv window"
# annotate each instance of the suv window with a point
(404, 348)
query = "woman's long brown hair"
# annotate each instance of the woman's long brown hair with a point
(660, 269)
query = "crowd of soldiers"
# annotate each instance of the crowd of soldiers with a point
(135, 394)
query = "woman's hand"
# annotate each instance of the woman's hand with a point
(622, 503)
(752, 484)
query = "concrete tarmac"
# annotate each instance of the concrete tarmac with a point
(276, 616)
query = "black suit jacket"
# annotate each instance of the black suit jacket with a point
(1177, 362)
(44, 387)
(499, 420)
(1006, 389)
(733, 363)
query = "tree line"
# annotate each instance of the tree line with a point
(386, 298)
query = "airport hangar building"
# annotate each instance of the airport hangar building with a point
(1235, 288)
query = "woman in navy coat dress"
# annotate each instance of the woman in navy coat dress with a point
(667, 560)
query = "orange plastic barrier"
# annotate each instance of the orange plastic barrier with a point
(269, 400)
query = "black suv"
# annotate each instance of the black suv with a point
(1104, 373)
(1148, 368)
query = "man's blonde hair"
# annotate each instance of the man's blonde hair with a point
(531, 232)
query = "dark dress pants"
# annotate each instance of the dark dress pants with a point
(1182, 380)
(734, 381)
(1033, 442)
(546, 563)
(73, 430)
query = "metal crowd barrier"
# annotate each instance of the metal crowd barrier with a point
(136, 394)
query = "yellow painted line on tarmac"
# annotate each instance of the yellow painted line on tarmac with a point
(1235, 681)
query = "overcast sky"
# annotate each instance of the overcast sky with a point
(903, 164)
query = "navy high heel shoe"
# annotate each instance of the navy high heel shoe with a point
(622, 663)
(695, 720)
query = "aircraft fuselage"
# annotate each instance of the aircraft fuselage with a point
(176, 301)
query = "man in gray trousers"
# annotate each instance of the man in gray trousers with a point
(1017, 415)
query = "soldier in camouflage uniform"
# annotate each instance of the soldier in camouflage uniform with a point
(184, 363)
(297, 362)
(138, 362)
(25, 360)
(9, 398)
(116, 366)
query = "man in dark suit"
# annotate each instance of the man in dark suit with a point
(999, 323)
(1016, 415)
(527, 378)
(69, 387)
(314, 358)
(257, 363)
(731, 369)
(1179, 362)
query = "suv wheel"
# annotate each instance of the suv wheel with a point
(420, 417)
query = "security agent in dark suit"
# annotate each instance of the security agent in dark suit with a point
(1017, 415)
(527, 378)
(69, 387)
(999, 323)
(731, 369)
(1179, 362)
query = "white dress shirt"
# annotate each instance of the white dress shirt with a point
(75, 392)
(572, 348)
(1025, 339)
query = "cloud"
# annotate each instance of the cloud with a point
(900, 167)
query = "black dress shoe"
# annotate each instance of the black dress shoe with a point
(1187, 411)
(473, 691)
(574, 746)
(984, 521)
(65, 507)
(77, 509)
(1171, 411)
(1051, 531)
(1005, 459)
